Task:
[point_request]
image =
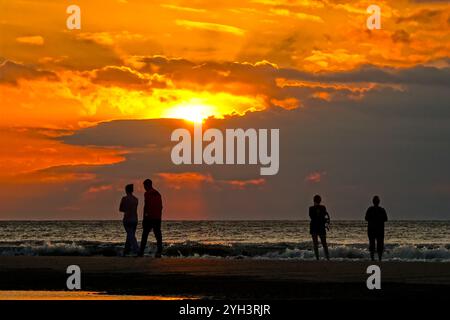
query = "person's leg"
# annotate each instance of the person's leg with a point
(127, 240)
(323, 239)
(133, 241)
(315, 245)
(372, 247)
(146, 228)
(158, 236)
(380, 246)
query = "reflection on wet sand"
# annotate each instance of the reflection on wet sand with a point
(79, 295)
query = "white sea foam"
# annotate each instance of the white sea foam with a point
(276, 251)
(405, 240)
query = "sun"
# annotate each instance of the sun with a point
(191, 111)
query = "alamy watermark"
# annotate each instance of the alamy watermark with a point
(237, 146)
(374, 280)
(73, 21)
(374, 20)
(74, 280)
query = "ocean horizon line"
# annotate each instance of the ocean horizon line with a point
(215, 220)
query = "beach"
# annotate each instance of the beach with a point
(174, 278)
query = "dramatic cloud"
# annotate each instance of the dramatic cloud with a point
(188, 9)
(401, 36)
(11, 72)
(122, 76)
(33, 40)
(360, 112)
(211, 27)
(242, 184)
(422, 16)
(315, 177)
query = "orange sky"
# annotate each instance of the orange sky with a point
(187, 59)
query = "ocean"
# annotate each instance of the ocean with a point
(405, 240)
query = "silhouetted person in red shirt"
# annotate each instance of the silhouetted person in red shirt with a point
(319, 223)
(152, 218)
(128, 205)
(376, 217)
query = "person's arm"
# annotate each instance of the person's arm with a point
(327, 215)
(122, 205)
(367, 214)
(146, 204)
(385, 215)
(310, 213)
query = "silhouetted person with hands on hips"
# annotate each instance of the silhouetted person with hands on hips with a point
(152, 218)
(128, 205)
(320, 219)
(376, 217)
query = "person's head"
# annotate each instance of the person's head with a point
(317, 199)
(376, 200)
(148, 184)
(129, 188)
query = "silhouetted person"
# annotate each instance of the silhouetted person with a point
(319, 225)
(152, 217)
(128, 205)
(376, 217)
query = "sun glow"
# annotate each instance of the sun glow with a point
(191, 111)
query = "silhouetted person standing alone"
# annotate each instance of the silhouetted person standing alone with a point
(152, 218)
(318, 225)
(376, 217)
(128, 205)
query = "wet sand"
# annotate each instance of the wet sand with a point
(173, 278)
(76, 295)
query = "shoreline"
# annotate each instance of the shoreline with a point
(228, 278)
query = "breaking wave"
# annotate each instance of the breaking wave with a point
(190, 249)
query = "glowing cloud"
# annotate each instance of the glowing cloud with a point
(33, 40)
